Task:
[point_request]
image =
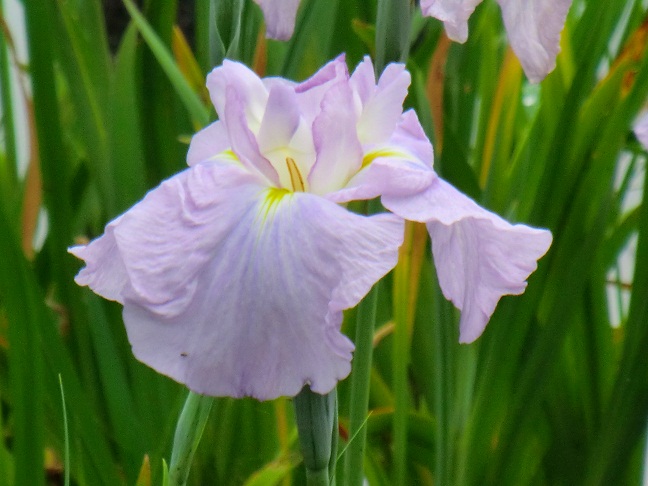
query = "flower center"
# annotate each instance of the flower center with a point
(296, 179)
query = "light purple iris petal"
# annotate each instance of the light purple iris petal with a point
(243, 142)
(312, 91)
(403, 175)
(280, 120)
(339, 154)
(153, 252)
(104, 272)
(383, 104)
(385, 176)
(208, 142)
(641, 130)
(479, 257)
(453, 13)
(332, 71)
(410, 136)
(235, 292)
(363, 80)
(533, 29)
(279, 17)
(250, 90)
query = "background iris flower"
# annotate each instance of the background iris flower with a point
(234, 273)
(533, 28)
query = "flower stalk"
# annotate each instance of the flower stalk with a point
(317, 425)
(189, 430)
(360, 379)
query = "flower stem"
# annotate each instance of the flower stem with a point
(317, 478)
(403, 321)
(316, 417)
(360, 377)
(189, 430)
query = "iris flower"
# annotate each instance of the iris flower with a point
(234, 273)
(279, 17)
(533, 28)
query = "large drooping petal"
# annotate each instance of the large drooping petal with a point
(453, 13)
(479, 257)
(235, 288)
(533, 28)
(279, 17)
(152, 253)
(105, 272)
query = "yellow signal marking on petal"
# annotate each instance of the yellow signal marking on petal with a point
(296, 179)
(383, 152)
(273, 197)
(228, 154)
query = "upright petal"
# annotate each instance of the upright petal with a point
(479, 257)
(533, 29)
(382, 104)
(249, 89)
(453, 13)
(265, 317)
(243, 140)
(279, 17)
(311, 91)
(280, 120)
(339, 154)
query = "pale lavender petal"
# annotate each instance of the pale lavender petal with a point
(641, 130)
(240, 99)
(311, 92)
(383, 103)
(104, 272)
(401, 167)
(249, 89)
(207, 143)
(409, 135)
(479, 257)
(153, 252)
(331, 71)
(396, 176)
(279, 17)
(280, 120)
(533, 29)
(339, 154)
(454, 14)
(265, 318)
(243, 141)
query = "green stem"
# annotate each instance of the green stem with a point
(316, 419)
(189, 430)
(360, 378)
(317, 478)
